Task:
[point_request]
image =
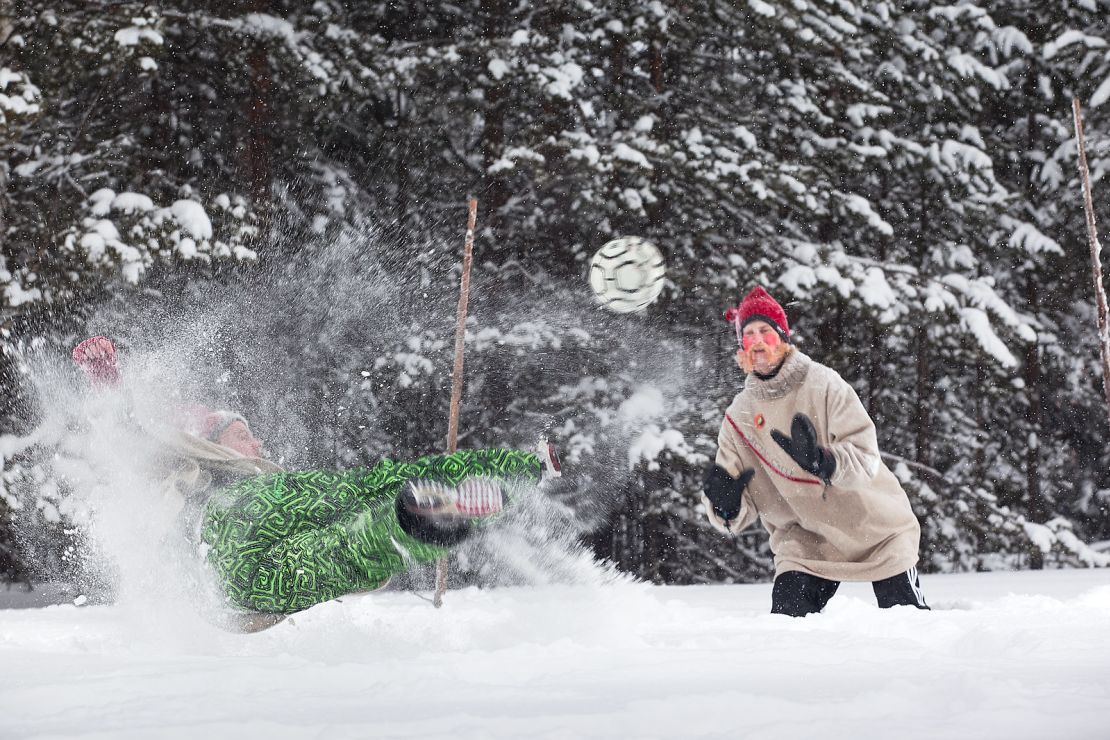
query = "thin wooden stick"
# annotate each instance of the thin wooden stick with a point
(457, 373)
(1096, 249)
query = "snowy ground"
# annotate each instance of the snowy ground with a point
(1005, 655)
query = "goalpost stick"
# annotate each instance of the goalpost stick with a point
(457, 373)
(1096, 248)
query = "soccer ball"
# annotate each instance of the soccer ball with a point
(626, 274)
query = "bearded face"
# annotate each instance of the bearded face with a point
(761, 349)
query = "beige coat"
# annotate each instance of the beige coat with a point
(860, 527)
(190, 462)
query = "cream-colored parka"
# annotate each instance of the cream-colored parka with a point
(858, 528)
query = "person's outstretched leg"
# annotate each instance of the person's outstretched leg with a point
(505, 465)
(288, 543)
(797, 594)
(285, 542)
(903, 589)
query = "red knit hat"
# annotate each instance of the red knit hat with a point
(759, 306)
(96, 356)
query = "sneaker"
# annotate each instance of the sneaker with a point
(473, 498)
(550, 467)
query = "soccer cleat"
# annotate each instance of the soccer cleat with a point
(549, 460)
(473, 498)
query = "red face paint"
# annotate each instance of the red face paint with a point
(769, 336)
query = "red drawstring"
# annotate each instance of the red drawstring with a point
(767, 462)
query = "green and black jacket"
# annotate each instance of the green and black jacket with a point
(283, 542)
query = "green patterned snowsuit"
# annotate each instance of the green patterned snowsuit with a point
(286, 541)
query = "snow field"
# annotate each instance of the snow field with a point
(1015, 655)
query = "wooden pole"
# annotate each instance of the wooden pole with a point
(457, 373)
(1096, 249)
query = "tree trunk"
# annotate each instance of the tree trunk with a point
(401, 159)
(3, 205)
(874, 360)
(258, 148)
(495, 193)
(923, 421)
(7, 28)
(1035, 504)
(982, 424)
(921, 349)
(659, 212)
(1032, 376)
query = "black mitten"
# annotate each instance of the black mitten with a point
(802, 446)
(723, 491)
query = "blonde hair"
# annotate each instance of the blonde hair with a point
(745, 360)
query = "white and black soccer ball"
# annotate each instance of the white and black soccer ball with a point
(626, 274)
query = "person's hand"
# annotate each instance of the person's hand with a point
(96, 356)
(802, 446)
(723, 491)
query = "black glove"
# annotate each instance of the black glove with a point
(723, 491)
(802, 446)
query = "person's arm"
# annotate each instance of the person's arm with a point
(853, 441)
(851, 458)
(730, 477)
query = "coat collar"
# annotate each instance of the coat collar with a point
(790, 376)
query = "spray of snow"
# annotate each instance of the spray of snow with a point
(109, 485)
(347, 296)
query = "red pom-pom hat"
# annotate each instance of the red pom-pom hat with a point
(759, 306)
(96, 356)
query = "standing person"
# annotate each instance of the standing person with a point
(833, 510)
(282, 541)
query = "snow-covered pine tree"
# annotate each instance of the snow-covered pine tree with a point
(1052, 465)
(883, 168)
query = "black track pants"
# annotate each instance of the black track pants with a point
(798, 594)
(903, 589)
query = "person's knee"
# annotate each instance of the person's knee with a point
(798, 594)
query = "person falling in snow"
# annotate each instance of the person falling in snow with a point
(283, 541)
(834, 512)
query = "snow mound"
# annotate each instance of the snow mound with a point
(1016, 655)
